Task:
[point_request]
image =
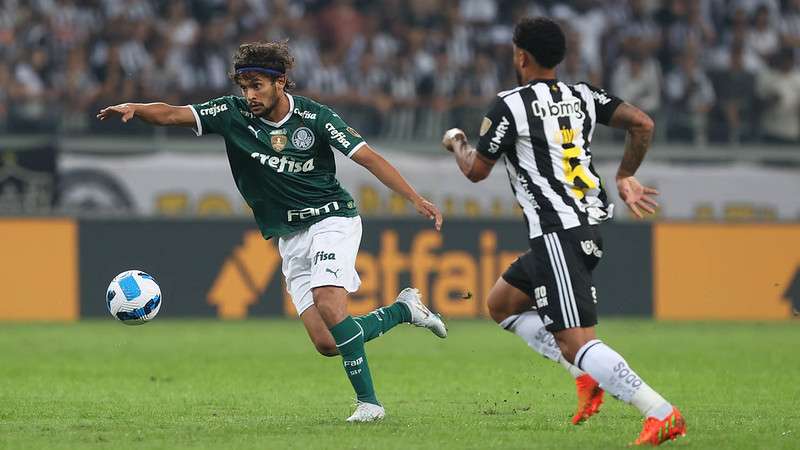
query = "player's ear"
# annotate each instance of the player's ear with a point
(524, 58)
(280, 82)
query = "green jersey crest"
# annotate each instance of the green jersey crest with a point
(284, 170)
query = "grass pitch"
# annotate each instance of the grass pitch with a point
(259, 384)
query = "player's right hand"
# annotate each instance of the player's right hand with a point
(126, 110)
(451, 136)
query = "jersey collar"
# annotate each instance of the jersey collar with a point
(285, 118)
(543, 80)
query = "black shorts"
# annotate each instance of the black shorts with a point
(556, 273)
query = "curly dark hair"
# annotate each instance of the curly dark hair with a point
(268, 55)
(542, 38)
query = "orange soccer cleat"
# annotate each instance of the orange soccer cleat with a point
(657, 431)
(590, 397)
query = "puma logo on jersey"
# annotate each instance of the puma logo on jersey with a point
(253, 130)
(335, 273)
(565, 108)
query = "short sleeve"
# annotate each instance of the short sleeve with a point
(338, 134)
(213, 116)
(498, 132)
(604, 104)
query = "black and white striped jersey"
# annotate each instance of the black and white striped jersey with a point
(545, 129)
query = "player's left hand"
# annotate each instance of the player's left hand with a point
(430, 211)
(637, 197)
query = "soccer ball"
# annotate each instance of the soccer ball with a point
(133, 297)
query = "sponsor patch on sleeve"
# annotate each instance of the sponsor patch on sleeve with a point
(485, 125)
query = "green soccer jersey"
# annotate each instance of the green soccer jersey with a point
(285, 170)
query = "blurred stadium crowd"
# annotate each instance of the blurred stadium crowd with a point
(707, 70)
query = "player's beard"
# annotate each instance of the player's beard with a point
(267, 108)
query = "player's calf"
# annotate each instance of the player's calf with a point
(349, 338)
(571, 340)
(512, 309)
(325, 346)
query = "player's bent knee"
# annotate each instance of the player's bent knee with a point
(497, 311)
(498, 306)
(505, 300)
(326, 348)
(324, 344)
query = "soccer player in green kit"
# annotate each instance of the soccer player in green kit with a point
(280, 148)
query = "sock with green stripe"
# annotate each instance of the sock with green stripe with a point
(349, 339)
(383, 319)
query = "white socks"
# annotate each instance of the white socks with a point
(531, 329)
(573, 370)
(597, 359)
(615, 376)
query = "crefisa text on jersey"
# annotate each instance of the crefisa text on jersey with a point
(214, 110)
(284, 163)
(337, 135)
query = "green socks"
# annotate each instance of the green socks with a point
(350, 336)
(383, 319)
(349, 339)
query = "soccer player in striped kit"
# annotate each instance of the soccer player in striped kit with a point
(544, 129)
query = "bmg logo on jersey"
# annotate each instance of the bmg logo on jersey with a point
(565, 108)
(214, 110)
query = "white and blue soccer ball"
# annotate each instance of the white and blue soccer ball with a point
(133, 297)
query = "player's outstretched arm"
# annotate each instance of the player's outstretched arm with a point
(637, 141)
(152, 113)
(472, 165)
(391, 178)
